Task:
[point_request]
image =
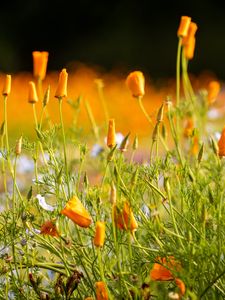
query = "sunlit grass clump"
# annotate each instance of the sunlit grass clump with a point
(93, 215)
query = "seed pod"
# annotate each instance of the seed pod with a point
(111, 154)
(200, 153)
(123, 146)
(214, 146)
(113, 194)
(160, 113)
(155, 132)
(134, 177)
(18, 147)
(135, 143)
(46, 96)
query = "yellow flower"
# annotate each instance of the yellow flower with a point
(40, 61)
(99, 238)
(136, 83)
(75, 210)
(32, 93)
(7, 86)
(61, 90)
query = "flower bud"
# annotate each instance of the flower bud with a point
(184, 26)
(61, 90)
(7, 86)
(40, 61)
(101, 291)
(32, 93)
(136, 83)
(19, 146)
(111, 137)
(99, 238)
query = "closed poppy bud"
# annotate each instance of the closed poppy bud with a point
(136, 83)
(40, 61)
(191, 32)
(99, 234)
(184, 26)
(101, 291)
(61, 90)
(32, 93)
(125, 220)
(189, 48)
(75, 210)
(221, 144)
(213, 91)
(181, 286)
(111, 137)
(7, 86)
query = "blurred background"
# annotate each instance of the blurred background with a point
(123, 35)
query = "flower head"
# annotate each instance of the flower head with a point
(61, 90)
(43, 203)
(40, 61)
(189, 48)
(75, 210)
(136, 83)
(162, 269)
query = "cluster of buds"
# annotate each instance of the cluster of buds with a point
(186, 32)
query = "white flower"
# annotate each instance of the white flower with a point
(43, 204)
(96, 150)
(119, 139)
(24, 164)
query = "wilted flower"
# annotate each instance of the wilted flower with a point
(136, 83)
(125, 219)
(40, 61)
(49, 228)
(43, 203)
(75, 210)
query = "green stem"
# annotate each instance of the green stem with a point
(178, 71)
(64, 145)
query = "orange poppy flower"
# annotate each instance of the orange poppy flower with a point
(125, 220)
(101, 291)
(7, 86)
(162, 270)
(213, 91)
(61, 90)
(188, 130)
(111, 137)
(136, 83)
(99, 238)
(49, 228)
(75, 210)
(40, 61)
(32, 93)
(184, 26)
(189, 48)
(181, 286)
(221, 144)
